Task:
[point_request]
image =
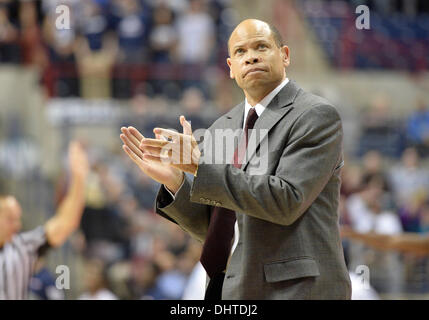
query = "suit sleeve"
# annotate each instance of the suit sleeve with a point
(312, 152)
(192, 217)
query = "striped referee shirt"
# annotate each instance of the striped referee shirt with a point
(17, 260)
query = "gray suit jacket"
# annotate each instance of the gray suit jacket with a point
(287, 208)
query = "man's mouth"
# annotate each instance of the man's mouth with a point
(253, 70)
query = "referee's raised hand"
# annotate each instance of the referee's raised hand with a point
(78, 160)
(22, 249)
(69, 212)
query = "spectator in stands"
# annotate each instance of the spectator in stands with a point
(163, 42)
(19, 154)
(418, 128)
(147, 110)
(367, 212)
(380, 130)
(42, 283)
(106, 231)
(412, 212)
(424, 217)
(93, 24)
(61, 50)
(366, 208)
(163, 36)
(195, 107)
(175, 270)
(132, 23)
(95, 52)
(373, 162)
(33, 51)
(146, 278)
(9, 35)
(409, 177)
(196, 36)
(410, 182)
(351, 178)
(95, 281)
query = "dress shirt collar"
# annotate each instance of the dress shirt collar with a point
(261, 105)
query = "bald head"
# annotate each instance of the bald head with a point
(10, 218)
(5, 202)
(257, 58)
(257, 27)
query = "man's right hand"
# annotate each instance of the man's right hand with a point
(163, 173)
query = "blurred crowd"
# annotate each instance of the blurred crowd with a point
(153, 53)
(396, 35)
(385, 189)
(108, 47)
(387, 197)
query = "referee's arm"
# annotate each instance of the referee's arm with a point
(69, 213)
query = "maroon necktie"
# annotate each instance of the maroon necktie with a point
(217, 247)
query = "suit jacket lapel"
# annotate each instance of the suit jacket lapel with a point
(275, 111)
(234, 118)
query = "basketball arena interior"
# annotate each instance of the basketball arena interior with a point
(143, 63)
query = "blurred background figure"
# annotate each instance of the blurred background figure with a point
(418, 128)
(43, 283)
(380, 129)
(143, 63)
(19, 251)
(95, 281)
(370, 211)
(360, 291)
(9, 34)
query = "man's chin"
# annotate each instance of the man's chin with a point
(255, 81)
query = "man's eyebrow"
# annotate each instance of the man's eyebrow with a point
(256, 41)
(260, 41)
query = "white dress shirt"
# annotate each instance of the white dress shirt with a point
(259, 107)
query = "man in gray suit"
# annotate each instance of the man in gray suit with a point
(269, 219)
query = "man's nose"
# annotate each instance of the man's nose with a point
(252, 59)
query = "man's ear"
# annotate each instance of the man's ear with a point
(286, 55)
(228, 62)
